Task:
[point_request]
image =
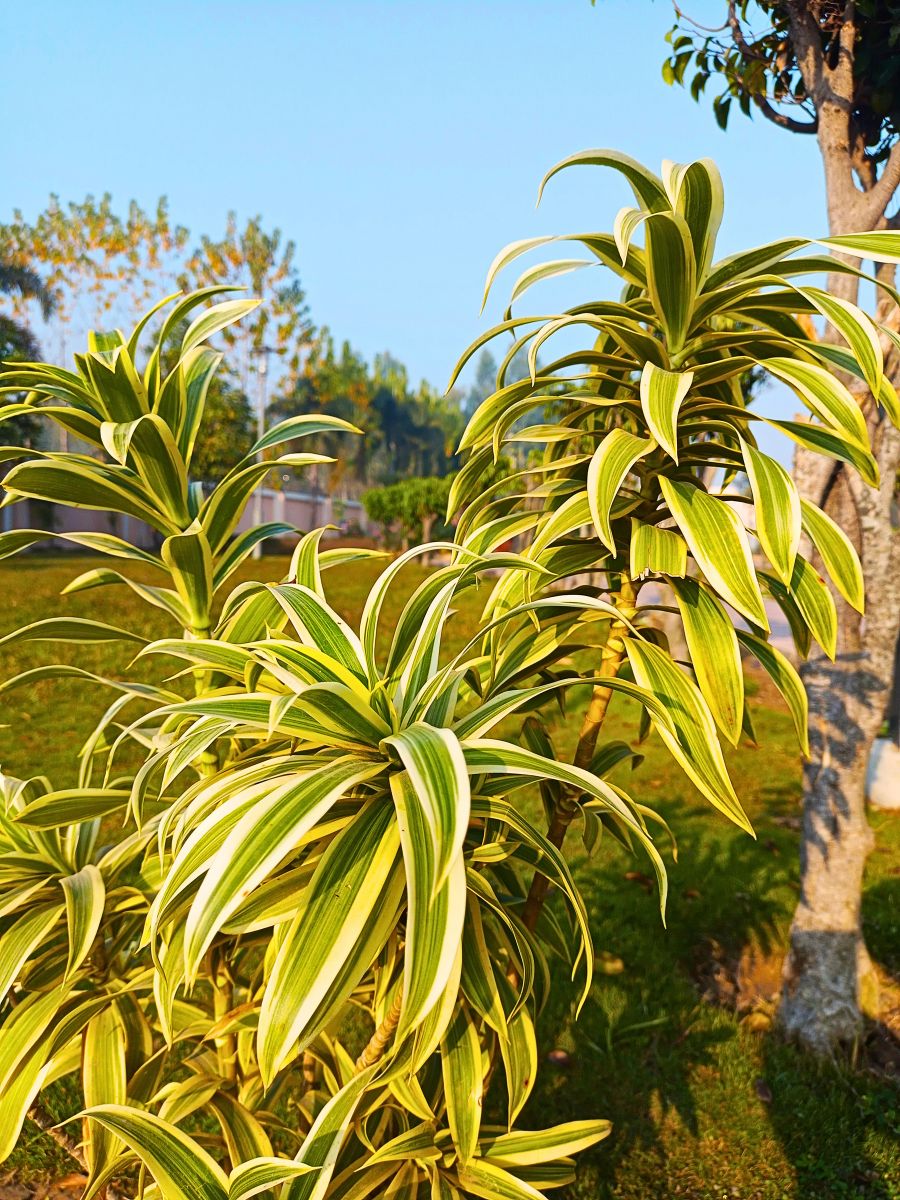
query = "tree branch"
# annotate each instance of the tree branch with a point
(377, 1043)
(808, 48)
(879, 197)
(841, 75)
(782, 119)
(39, 1115)
(681, 15)
(737, 34)
(863, 163)
(831, 91)
(762, 101)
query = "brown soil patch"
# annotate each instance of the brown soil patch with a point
(67, 1188)
(749, 985)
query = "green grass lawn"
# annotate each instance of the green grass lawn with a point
(705, 1101)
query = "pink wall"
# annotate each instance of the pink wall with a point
(301, 509)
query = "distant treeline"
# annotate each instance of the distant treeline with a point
(85, 266)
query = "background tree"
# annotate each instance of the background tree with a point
(829, 70)
(263, 263)
(410, 508)
(485, 381)
(25, 284)
(100, 267)
(338, 383)
(18, 344)
(97, 267)
(408, 433)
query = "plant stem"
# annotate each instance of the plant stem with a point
(308, 1069)
(226, 1046)
(207, 763)
(39, 1115)
(567, 804)
(377, 1043)
(45, 1122)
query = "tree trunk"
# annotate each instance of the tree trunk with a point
(828, 979)
(829, 983)
(427, 526)
(893, 713)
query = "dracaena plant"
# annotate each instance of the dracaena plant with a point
(74, 891)
(649, 469)
(137, 433)
(94, 944)
(343, 898)
(359, 847)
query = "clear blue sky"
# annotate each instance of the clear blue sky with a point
(399, 142)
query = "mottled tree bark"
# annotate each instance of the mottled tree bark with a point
(829, 983)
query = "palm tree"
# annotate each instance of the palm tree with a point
(28, 284)
(17, 343)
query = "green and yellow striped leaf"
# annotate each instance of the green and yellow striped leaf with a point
(662, 394)
(776, 508)
(323, 1143)
(691, 738)
(715, 654)
(258, 842)
(786, 679)
(881, 245)
(103, 1081)
(463, 1082)
(79, 630)
(436, 903)
(857, 329)
(485, 1179)
(214, 319)
(189, 558)
(318, 625)
(21, 938)
(147, 446)
(260, 1174)
(436, 769)
(696, 191)
(523, 1148)
(304, 425)
(671, 274)
(611, 462)
(658, 551)
(838, 554)
(823, 394)
(816, 603)
(85, 894)
(350, 909)
(181, 1169)
(718, 542)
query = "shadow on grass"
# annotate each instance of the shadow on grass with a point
(838, 1129)
(701, 1107)
(881, 921)
(645, 1045)
(863, 1105)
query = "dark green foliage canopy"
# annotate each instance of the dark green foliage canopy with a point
(410, 507)
(410, 431)
(753, 61)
